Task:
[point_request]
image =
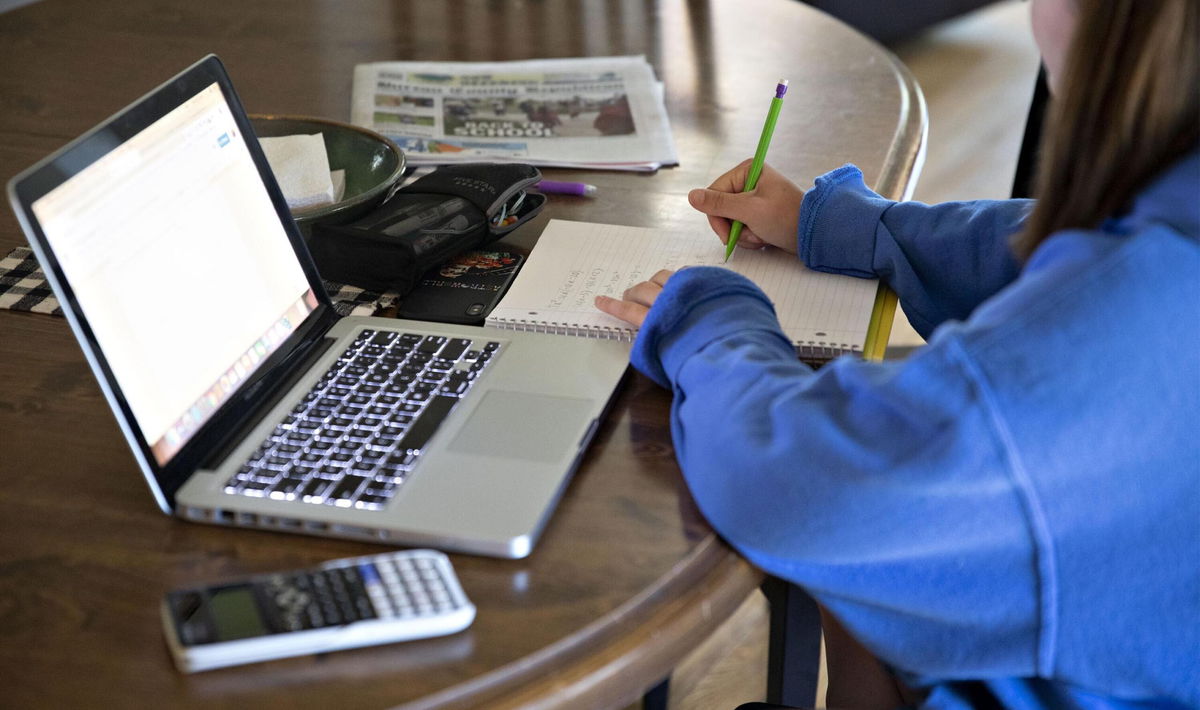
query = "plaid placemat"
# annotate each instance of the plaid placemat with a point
(23, 287)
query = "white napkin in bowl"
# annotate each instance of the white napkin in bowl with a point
(301, 167)
(339, 184)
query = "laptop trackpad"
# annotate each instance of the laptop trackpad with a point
(531, 427)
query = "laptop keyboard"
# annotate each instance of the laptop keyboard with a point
(356, 436)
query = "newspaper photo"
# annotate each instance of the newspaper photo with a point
(602, 113)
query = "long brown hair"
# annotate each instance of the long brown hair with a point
(1128, 106)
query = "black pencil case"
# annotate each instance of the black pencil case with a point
(449, 211)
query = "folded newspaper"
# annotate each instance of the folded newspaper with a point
(601, 113)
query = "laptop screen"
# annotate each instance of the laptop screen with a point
(180, 265)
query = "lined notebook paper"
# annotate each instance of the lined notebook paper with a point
(823, 314)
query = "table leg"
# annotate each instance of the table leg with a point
(656, 698)
(794, 652)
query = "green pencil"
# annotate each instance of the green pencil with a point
(760, 157)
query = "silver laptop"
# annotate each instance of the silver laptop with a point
(246, 398)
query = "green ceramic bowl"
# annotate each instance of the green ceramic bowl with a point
(373, 164)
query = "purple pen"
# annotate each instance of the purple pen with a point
(566, 188)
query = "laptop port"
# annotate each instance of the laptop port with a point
(353, 531)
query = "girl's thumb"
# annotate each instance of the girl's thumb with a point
(730, 205)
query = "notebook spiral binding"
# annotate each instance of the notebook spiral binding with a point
(558, 328)
(807, 352)
(822, 353)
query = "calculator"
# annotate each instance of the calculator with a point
(346, 603)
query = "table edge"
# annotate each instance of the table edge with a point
(707, 585)
(906, 157)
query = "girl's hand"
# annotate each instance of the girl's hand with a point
(770, 212)
(637, 299)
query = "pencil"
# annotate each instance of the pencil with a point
(760, 157)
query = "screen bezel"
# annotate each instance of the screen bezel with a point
(34, 183)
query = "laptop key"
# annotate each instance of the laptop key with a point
(370, 501)
(386, 367)
(431, 344)
(401, 461)
(285, 489)
(313, 490)
(454, 349)
(255, 488)
(423, 428)
(456, 386)
(383, 443)
(343, 493)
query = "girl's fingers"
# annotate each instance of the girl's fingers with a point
(628, 311)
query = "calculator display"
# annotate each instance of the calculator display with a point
(225, 613)
(235, 613)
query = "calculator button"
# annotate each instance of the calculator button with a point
(315, 619)
(330, 612)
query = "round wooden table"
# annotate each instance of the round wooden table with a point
(627, 577)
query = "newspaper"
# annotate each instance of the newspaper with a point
(602, 113)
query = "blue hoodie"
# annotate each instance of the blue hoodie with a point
(1009, 516)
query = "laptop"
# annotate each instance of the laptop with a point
(246, 398)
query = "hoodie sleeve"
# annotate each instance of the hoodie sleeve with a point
(942, 260)
(876, 486)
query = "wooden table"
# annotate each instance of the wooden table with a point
(627, 578)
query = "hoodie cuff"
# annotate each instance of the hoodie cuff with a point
(838, 220)
(698, 305)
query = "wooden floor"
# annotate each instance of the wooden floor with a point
(977, 73)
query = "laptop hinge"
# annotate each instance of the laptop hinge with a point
(266, 395)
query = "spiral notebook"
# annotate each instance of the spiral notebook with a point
(825, 315)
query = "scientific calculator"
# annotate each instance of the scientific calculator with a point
(346, 603)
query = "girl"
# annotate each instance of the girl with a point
(1012, 515)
